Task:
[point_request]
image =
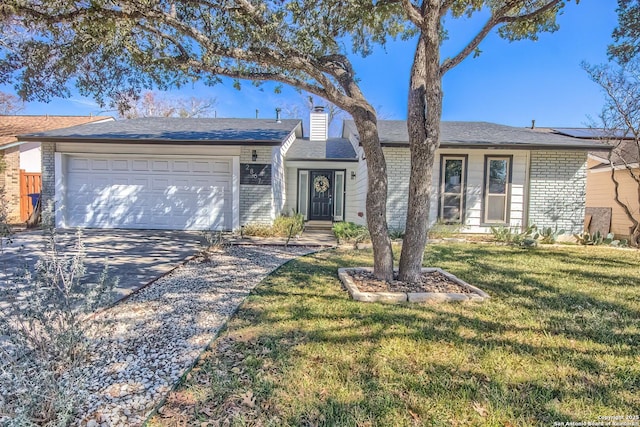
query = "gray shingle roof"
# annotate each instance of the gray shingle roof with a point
(167, 130)
(482, 135)
(332, 149)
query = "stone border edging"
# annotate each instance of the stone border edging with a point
(478, 295)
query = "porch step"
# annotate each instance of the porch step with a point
(318, 225)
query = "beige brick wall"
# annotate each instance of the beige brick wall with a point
(48, 173)
(11, 182)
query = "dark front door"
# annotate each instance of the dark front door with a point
(321, 195)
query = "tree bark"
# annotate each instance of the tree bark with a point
(634, 235)
(423, 123)
(376, 207)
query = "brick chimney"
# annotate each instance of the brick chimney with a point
(318, 124)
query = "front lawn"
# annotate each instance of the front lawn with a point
(558, 341)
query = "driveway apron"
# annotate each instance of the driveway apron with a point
(133, 257)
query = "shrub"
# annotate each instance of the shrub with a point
(396, 234)
(548, 236)
(350, 232)
(283, 226)
(46, 340)
(515, 236)
(598, 238)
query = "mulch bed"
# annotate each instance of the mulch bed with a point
(430, 282)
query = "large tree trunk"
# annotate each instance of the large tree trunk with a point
(423, 122)
(366, 123)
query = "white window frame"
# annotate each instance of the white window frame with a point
(463, 185)
(303, 193)
(487, 195)
(338, 195)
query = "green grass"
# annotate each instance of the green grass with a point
(558, 341)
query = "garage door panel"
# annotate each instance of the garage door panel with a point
(221, 167)
(160, 165)
(100, 165)
(139, 165)
(149, 193)
(181, 166)
(120, 165)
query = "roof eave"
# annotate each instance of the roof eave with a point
(298, 159)
(506, 146)
(28, 138)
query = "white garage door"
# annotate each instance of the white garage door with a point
(149, 193)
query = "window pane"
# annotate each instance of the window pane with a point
(498, 176)
(496, 208)
(339, 195)
(453, 176)
(303, 197)
(451, 208)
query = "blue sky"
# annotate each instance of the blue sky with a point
(510, 83)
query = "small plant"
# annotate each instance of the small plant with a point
(589, 239)
(548, 235)
(350, 232)
(443, 230)
(210, 239)
(515, 236)
(598, 238)
(396, 234)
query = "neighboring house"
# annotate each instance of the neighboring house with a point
(25, 156)
(223, 173)
(600, 187)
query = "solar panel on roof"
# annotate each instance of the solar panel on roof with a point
(591, 133)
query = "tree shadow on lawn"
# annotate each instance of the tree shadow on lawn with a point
(527, 356)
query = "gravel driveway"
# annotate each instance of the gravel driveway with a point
(145, 343)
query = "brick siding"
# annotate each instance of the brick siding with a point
(11, 182)
(557, 189)
(398, 171)
(256, 201)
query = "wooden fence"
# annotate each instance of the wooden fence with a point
(30, 183)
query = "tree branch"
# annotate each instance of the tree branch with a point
(414, 14)
(497, 18)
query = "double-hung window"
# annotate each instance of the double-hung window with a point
(497, 195)
(452, 188)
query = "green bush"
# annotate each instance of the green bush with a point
(396, 234)
(350, 232)
(515, 236)
(548, 236)
(598, 238)
(283, 226)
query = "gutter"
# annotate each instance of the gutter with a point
(29, 138)
(508, 146)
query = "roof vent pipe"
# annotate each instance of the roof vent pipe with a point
(533, 124)
(278, 115)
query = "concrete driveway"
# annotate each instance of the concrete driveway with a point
(134, 257)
